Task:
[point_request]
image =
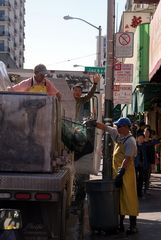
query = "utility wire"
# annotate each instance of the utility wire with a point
(72, 59)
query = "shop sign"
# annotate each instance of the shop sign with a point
(122, 94)
(123, 73)
(133, 19)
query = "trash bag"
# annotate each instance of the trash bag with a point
(78, 137)
(4, 78)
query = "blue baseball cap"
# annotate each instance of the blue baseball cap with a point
(123, 122)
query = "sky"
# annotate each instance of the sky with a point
(59, 43)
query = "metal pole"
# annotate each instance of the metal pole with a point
(103, 196)
(109, 78)
(99, 46)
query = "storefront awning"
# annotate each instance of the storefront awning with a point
(146, 95)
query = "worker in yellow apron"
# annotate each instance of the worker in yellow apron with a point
(37, 88)
(124, 171)
(128, 190)
(38, 83)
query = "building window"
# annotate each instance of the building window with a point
(104, 42)
(2, 15)
(2, 2)
(1, 45)
(2, 32)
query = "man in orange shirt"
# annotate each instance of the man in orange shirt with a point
(38, 83)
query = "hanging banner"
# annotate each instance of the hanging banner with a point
(133, 19)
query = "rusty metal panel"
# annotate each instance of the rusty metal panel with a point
(27, 136)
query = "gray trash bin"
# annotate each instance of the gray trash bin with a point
(103, 205)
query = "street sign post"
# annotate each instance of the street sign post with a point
(99, 70)
(124, 43)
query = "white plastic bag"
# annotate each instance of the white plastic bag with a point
(4, 78)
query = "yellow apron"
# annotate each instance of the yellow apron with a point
(38, 89)
(128, 191)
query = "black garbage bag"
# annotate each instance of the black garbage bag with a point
(78, 137)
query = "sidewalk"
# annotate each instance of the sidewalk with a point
(148, 221)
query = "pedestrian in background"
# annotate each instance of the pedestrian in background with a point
(124, 153)
(140, 164)
(149, 155)
(141, 126)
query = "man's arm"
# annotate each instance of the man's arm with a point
(111, 130)
(90, 94)
(52, 90)
(21, 87)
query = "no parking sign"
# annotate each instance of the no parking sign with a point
(124, 42)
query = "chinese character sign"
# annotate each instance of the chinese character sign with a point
(133, 19)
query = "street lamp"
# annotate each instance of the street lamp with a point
(99, 36)
(77, 65)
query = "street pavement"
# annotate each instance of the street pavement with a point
(148, 221)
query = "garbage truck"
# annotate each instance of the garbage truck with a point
(36, 167)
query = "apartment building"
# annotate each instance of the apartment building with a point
(12, 33)
(103, 50)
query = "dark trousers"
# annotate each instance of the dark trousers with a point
(80, 189)
(132, 220)
(80, 194)
(140, 176)
(147, 174)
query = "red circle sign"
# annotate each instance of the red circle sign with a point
(124, 39)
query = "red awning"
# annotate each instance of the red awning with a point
(155, 69)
